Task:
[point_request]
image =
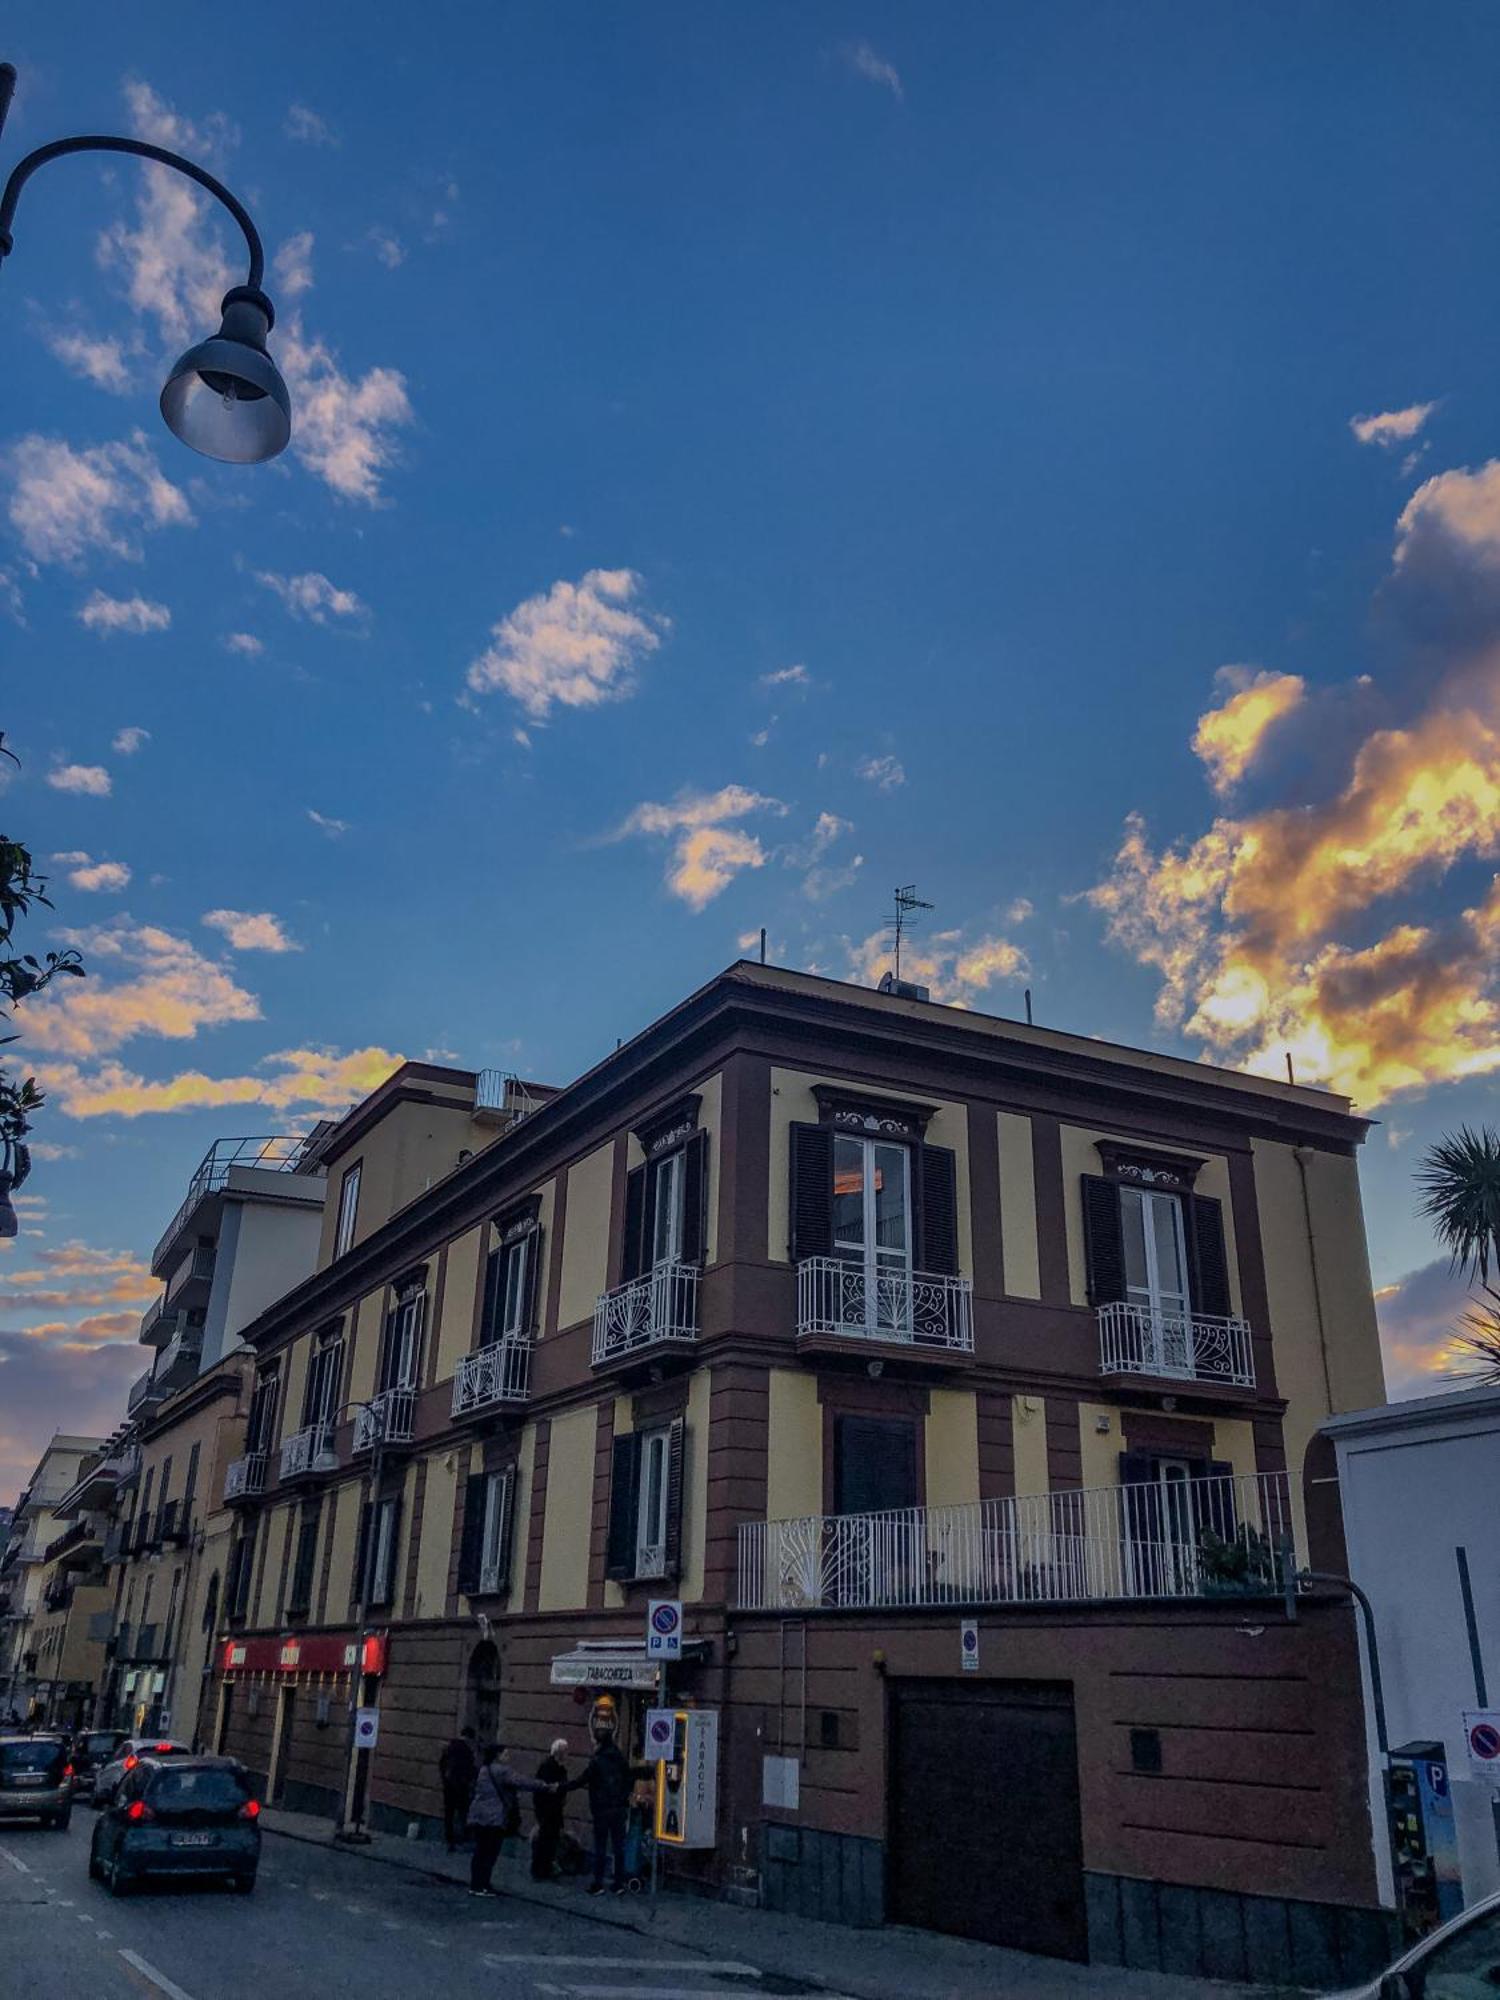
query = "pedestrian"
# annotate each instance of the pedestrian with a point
(457, 1768)
(553, 1770)
(610, 1779)
(494, 1812)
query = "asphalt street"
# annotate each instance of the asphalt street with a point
(319, 1924)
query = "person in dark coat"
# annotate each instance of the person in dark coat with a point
(553, 1770)
(610, 1779)
(457, 1768)
(494, 1811)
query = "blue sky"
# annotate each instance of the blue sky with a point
(746, 458)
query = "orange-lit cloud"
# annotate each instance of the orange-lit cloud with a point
(954, 968)
(313, 1080)
(707, 850)
(1229, 736)
(142, 981)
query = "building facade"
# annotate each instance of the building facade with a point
(29, 1577)
(957, 1375)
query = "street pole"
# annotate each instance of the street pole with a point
(348, 1827)
(661, 1702)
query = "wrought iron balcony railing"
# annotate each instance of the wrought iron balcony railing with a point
(842, 1300)
(388, 1416)
(1184, 1347)
(499, 1373)
(659, 1308)
(246, 1476)
(300, 1450)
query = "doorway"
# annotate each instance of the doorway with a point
(285, 1723)
(482, 1693)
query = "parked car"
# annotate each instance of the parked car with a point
(36, 1779)
(127, 1754)
(1459, 1961)
(92, 1750)
(178, 1816)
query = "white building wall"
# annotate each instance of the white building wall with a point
(264, 1249)
(1419, 1480)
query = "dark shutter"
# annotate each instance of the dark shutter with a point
(676, 1440)
(624, 1500)
(189, 1492)
(1136, 1467)
(470, 1547)
(1219, 1512)
(1103, 1240)
(695, 1199)
(874, 1465)
(634, 1261)
(531, 1290)
(489, 1316)
(938, 1249)
(302, 1570)
(1210, 1272)
(388, 1350)
(362, 1552)
(810, 1211)
(386, 1585)
(507, 1525)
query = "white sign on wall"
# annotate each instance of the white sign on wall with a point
(366, 1728)
(1482, 1737)
(968, 1645)
(664, 1628)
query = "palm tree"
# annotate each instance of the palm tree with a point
(1460, 1179)
(1475, 1347)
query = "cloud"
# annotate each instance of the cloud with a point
(304, 125)
(1392, 427)
(577, 644)
(821, 880)
(65, 503)
(292, 265)
(1452, 522)
(387, 247)
(91, 780)
(127, 741)
(245, 644)
(247, 932)
(142, 981)
(1419, 1315)
(312, 1079)
(41, 1377)
(312, 596)
(706, 851)
(98, 359)
(864, 61)
(334, 828)
(97, 875)
(797, 676)
(955, 967)
(345, 424)
(885, 773)
(105, 615)
(1229, 736)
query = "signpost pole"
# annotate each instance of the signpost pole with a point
(661, 1702)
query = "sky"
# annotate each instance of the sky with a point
(745, 459)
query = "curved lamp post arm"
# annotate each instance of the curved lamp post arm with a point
(141, 150)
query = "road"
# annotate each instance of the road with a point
(322, 1924)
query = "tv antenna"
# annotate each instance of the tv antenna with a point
(907, 902)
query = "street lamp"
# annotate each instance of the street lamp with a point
(347, 1826)
(225, 397)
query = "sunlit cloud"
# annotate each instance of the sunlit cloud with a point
(325, 823)
(1419, 1316)
(824, 872)
(142, 981)
(388, 247)
(795, 676)
(96, 876)
(707, 850)
(292, 265)
(251, 931)
(67, 501)
(1228, 737)
(104, 615)
(1390, 428)
(955, 965)
(886, 774)
(346, 424)
(245, 644)
(312, 596)
(574, 646)
(127, 741)
(313, 1080)
(86, 780)
(95, 358)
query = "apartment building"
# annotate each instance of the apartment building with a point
(956, 1374)
(28, 1573)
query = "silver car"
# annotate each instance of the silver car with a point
(129, 1754)
(1460, 1961)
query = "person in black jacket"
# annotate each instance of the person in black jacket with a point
(553, 1770)
(610, 1779)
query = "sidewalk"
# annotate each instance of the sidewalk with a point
(887, 1964)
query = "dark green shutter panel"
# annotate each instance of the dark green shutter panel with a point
(1103, 1240)
(388, 1352)
(676, 1440)
(362, 1554)
(938, 1251)
(810, 1213)
(507, 1525)
(624, 1498)
(392, 1590)
(471, 1540)
(695, 1199)
(489, 1319)
(635, 1225)
(1210, 1274)
(302, 1569)
(190, 1490)
(531, 1289)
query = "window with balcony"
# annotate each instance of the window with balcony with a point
(260, 1431)
(484, 1562)
(375, 1564)
(238, 1579)
(645, 1505)
(511, 1275)
(343, 1237)
(300, 1586)
(400, 1360)
(320, 1396)
(665, 1215)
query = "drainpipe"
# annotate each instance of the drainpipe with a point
(1302, 1154)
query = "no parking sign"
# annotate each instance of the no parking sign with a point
(366, 1728)
(661, 1730)
(664, 1628)
(1482, 1735)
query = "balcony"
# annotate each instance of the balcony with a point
(840, 1301)
(387, 1419)
(499, 1373)
(117, 1543)
(173, 1525)
(58, 1594)
(178, 1361)
(303, 1448)
(192, 1281)
(284, 1154)
(245, 1478)
(658, 1310)
(153, 1333)
(145, 1393)
(1191, 1538)
(1177, 1347)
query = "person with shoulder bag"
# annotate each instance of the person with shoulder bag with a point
(495, 1812)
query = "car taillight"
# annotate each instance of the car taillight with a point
(250, 1809)
(139, 1810)
(131, 1762)
(166, 1746)
(67, 1770)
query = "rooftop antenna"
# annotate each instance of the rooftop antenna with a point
(907, 901)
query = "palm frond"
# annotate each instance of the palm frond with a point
(1474, 1352)
(1460, 1181)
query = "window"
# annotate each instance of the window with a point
(510, 1282)
(884, 1205)
(261, 1428)
(241, 1566)
(874, 1465)
(645, 1505)
(189, 1491)
(379, 1532)
(1155, 1250)
(299, 1593)
(1161, 1250)
(320, 1399)
(403, 1342)
(343, 1239)
(485, 1551)
(665, 1208)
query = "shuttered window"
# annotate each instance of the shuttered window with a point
(645, 1504)
(666, 1216)
(401, 1358)
(510, 1288)
(375, 1560)
(299, 1592)
(873, 1199)
(485, 1550)
(241, 1568)
(1115, 1273)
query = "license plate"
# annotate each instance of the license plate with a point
(30, 1778)
(194, 1839)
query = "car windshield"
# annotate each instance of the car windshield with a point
(213, 1788)
(29, 1757)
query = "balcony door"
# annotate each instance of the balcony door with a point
(667, 1207)
(872, 1228)
(1156, 1275)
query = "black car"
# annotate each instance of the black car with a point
(36, 1779)
(186, 1816)
(92, 1750)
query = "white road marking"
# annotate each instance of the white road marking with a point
(642, 1992)
(158, 1979)
(15, 1860)
(709, 1968)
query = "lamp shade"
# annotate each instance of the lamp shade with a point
(226, 397)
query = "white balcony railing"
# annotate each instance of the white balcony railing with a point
(1143, 1340)
(388, 1416)
(1187, 1538)
(302, 1447)
(499, 1373)
(245, 1476)
(844, 1301)
(662, 1306)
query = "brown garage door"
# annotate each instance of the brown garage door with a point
(984, 1832)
